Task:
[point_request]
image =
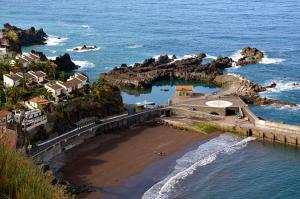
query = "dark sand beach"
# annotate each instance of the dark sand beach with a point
(110, 163)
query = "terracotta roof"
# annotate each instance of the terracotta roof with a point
(184, 88)
(39, 100)
(4, 113)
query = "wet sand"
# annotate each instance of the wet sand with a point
(110, 163)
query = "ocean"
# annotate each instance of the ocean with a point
(130, 31)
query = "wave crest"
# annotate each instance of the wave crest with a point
(55, 41)
(283, 85)
(191, 161)
(135, 46)
(84, 65)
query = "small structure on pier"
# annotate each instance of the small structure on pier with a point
(184, 90)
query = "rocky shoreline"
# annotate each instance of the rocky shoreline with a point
(17, 37)
(143, 75)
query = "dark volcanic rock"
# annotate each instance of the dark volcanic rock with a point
(40, 54)
(191, 69)
(250, 56)
(64, 63)
(27, 37)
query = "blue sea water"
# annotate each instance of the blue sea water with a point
(130, 31)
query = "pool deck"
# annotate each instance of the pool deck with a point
(235, 118)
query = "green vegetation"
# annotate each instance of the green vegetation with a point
(101, 99)
(11, 36)
(20, 178)
(205, 127)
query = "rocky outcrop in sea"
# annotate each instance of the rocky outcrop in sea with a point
(64, 63)
(191, 69)
(142, 75)
(250, 56)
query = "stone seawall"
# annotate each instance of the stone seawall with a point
(78, 137)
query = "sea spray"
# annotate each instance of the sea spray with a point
(84, 65)
(55, 41)
(186, 165)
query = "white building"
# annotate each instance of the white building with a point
(30, 119)
(38, 102)
(31, 76)
(67, 89)
(77, 81)
(26, 58)
(80, 77)
(10, 80)
(39, 76)
(55, 89)
(4, 52)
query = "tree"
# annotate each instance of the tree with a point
(62, 76)
(13, 94)
(2, 97)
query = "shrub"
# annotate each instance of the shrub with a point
(20, 178)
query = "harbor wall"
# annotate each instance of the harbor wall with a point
(46, 154)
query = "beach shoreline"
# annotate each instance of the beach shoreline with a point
(106, 163)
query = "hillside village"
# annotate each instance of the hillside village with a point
(34, 89)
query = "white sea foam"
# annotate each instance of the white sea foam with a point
(51, 57)
(283, 108)
(84, 65)
(82, 51)
(210, 56)
(236, 55)
(157, 56)
(55, 41)
(267, 60)
(53, 51)
(135, 46)
(86, 26)
(282, 85)
(191, 161)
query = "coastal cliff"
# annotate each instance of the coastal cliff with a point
(18, 37)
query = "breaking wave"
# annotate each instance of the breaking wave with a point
(84, 65)
(135, 46)
(87, 27)
(186, 165)
(55, 41)
(282, 85)
(266, 60)
(52, 57)
(236, 55)
(210, 56)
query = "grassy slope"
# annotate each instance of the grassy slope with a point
(20, 178)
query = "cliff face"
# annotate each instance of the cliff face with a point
(191, 69)
(18, 37)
